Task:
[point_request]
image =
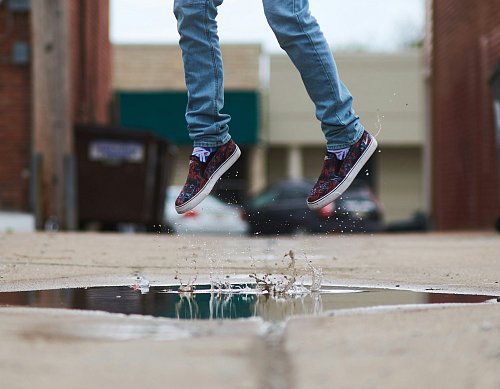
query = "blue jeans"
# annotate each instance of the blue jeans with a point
(298, 33)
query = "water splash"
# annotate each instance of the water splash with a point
(187, 299)
(141, 284)
(379, 123)
(291, 282)
(317, 277)
(287, 287)
(185, 287)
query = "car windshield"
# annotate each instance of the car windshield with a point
(287, 191)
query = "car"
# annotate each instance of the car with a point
(16, 222)
(282, 209)
(212, 216)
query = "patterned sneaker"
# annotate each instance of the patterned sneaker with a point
(202, 176)
(337, 175)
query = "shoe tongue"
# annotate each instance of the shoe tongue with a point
(195, 166)
(332, 158)
(330, 155)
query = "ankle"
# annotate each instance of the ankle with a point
(340, 154)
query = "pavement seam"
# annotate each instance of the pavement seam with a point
(276, 364)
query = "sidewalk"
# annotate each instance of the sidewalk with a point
(414, 347)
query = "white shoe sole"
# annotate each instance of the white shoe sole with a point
(209, 185)
(347, 181)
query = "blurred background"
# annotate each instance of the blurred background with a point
(93, 136)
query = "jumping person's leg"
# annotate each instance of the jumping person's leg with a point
(349, 146)
(214, 151)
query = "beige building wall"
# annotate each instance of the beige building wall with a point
(400, 181)
(388, 95)
(159, 67)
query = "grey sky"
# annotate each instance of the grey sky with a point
(375, 25)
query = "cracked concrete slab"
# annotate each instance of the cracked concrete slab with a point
(67, 349)
(450, 347)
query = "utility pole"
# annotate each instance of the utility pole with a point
(52, 185)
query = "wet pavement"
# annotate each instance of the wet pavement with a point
(236, 301)
(402, 344)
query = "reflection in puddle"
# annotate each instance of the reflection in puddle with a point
(240, 301)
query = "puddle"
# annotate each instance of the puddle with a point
(233, 302)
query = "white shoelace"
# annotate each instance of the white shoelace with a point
(201, 153)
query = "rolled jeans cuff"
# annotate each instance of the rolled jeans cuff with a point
(357, 132)
(212, 143)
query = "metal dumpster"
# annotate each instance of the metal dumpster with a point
(122, 175)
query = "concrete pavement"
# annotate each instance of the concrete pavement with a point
(443, 346)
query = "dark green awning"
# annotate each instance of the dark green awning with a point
(164, 114)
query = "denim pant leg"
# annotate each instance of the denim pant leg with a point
(299, 34)
(204, 73)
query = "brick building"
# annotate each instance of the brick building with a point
(463, 47)
(15, 105)
(42, 65)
